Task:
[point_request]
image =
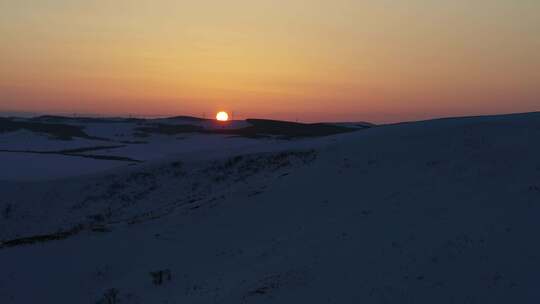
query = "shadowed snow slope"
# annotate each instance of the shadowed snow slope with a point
(442, 211)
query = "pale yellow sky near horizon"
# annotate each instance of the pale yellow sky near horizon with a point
(313, 60)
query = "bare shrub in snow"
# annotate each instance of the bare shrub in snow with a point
(110, 297)
(8, 210)
(160, 276)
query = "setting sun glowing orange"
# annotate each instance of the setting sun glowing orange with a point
(222, 116)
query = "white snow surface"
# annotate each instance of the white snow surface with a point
(441, 211)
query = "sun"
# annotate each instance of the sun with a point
(222, 116)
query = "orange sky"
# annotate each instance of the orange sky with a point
(310, 60)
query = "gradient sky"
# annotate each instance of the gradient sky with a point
(374, 60)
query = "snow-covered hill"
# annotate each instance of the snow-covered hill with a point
(50, 147)
(441, 211)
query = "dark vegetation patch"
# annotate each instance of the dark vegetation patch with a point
(42, 238)
(7, 211)
(242, 167)
(56, 236)
(167, 129)
(116, 195)
(111, 296)
(161, 276)
(88, 149)
(55, 130)
(78, 153)
(291, 129)
(189, 118)
(275, 282)
(106, 157)
(122, 192)
(259, 128)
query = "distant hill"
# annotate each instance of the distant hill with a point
(67, 128)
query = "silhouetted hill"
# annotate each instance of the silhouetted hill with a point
(59, 131)
(291, 129)
(256, 128)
